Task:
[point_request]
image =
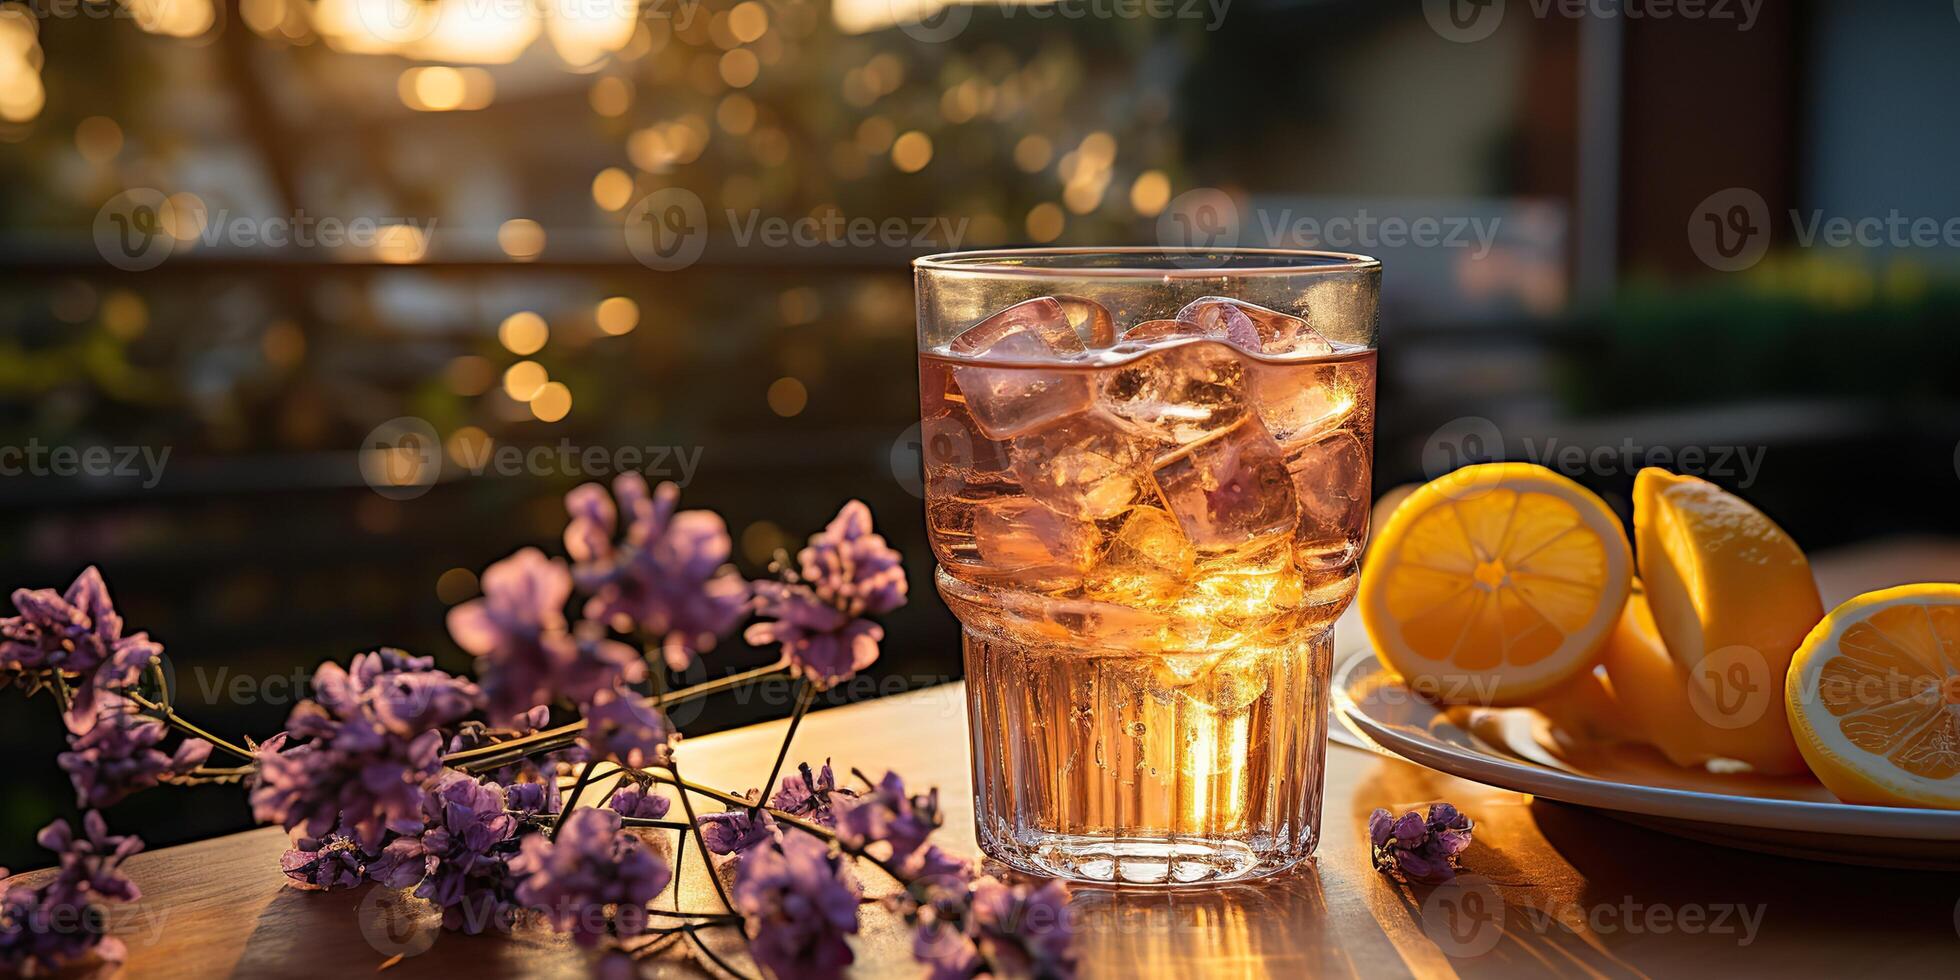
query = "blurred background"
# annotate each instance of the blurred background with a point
(257, 235)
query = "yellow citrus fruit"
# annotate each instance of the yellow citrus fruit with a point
(1495, 584)
(1731, 596)
(1873, 697)
(1667, 707)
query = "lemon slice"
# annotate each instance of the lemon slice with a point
(1495, 584)
(1873, 697)
(1732, 596)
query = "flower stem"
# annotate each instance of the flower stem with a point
(804, 695)
(687, 805)
(819, 830)
(552, 739)
(184, 725)
(584, 777)
(694, 934)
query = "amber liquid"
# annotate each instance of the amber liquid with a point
(1147, 550)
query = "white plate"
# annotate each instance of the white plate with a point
(1511, 749)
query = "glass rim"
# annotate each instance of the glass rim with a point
(1267, 262)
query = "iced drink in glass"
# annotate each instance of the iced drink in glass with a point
(1147, 488)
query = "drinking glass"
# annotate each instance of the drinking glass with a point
(1147, 488)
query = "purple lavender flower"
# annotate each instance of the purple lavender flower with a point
(60, 922)
(850, 566)
(370, 745)
(532, 798)
(808, 794)
(888, 814)
(668, 577)
(460, 859)
(738, 829)
(1022, 930)
(641, 802)
(525, 654)
(947, 952)
(1413, 848)
(118, 756)
(325, 863)
(800, 901)
(591, 864)
(820, 642)
(78, 633)
(847, 572)
(626, 729)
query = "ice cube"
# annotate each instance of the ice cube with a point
(1093, 324)
(1233, 327)
(1146, 563)
(1019, 539)
(1087, 467)
(1332, 477)
(1230, 490)
(1007, 401)
(1229, 687)
(1301, 402)
(1248, 593)
(1181, 393)
(1279, 333)
(1038, 326)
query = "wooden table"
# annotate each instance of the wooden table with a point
(1582, 895)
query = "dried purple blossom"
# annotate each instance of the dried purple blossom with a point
(525, 654)
(624, 728)
(809, 795)
(737, 829)
(799, 901)
(668, 577)
(460, 859)
(1022, 930)
(640, 802)
(1414, 848)
(118, 755)
(845, 574)
(365, 754)
(532, 798)
(851, 567)
(591, 864)
(820, 642)
(77, 633)
(887, 814)
(325, 863)
(61, 921)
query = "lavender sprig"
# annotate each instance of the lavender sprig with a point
(1414, 848)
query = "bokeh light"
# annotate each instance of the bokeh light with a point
(523, 380)
(523, 333)
(617, 315)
